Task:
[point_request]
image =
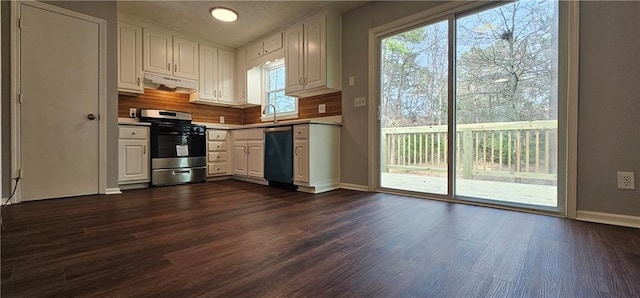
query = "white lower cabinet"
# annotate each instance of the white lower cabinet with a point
(133, 154)
(248, 153)
(217, 153)
(316, 160)
(301, 161)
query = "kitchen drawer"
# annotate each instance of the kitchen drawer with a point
(217, 146)
(217, 135)
(248, 134)
(301, 131)
(217, 156)
(218, 169)
(133, 132)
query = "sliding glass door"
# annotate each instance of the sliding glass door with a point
(414, 90)
(505, 94)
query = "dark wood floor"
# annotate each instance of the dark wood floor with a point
(234, 239)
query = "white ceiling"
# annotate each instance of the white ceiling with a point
(256, 18)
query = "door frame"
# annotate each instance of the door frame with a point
(16, 133)
(568, 69)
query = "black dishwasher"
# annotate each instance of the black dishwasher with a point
(278, 156)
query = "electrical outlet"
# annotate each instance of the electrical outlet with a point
(625, 180)
(221, 119)
(360, 102)
(322, 108)
(132, 112)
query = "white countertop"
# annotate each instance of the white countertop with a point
(132, 121)
(330, 120)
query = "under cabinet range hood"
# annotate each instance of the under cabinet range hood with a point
(167, 83)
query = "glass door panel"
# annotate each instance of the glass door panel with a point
(506, 104)
(414, 67)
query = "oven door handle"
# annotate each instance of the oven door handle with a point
(167, 133)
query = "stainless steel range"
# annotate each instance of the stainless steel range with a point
(178, 148)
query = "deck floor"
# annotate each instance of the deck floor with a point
(539, 195)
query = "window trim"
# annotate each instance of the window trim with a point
(263, 94)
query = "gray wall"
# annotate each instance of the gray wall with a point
(106, 10)
(609, 105)
(6, 104)
(609, 111)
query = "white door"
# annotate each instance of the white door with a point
(226, 73)
(301, 161)
(293, 58)
(241, 75)
(240, 158)
(129, 58)
(315, 72)
(158, 52)
(185, 58)
(208, 74)
(59, 86)
(134, 160)
(255, 160)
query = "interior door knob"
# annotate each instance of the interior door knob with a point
(91, 117)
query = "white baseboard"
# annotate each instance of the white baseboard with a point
(609, 218)
(112, 191)
(5, 200)
(357, 187)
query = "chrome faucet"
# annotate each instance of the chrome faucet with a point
(275, 120)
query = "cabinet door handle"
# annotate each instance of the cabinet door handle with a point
(219, 93)
(295, 151)
(300, 81)
(144, 149)
(266, 51)
(175, 67)
(304, 82)
(169, 66)
(245, 150)
(138, 81)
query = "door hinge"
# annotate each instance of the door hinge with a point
(18, 174)
(20, 25)
(19, 99)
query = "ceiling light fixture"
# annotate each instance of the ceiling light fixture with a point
(501, 80)
(224, 14)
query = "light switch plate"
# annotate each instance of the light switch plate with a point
(221, 119)
(352, 80)
(360, 102)
(322, 108)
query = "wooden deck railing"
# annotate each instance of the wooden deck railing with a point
(508, 150)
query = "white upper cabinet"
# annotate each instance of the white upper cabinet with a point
(168, 55)
(241, 75)
(312, 55)
(226, 76)
(265, 46)
(217, 75)
(129, 58)
(208, 81)
(294, 69)
(185, 58)
(158, 52)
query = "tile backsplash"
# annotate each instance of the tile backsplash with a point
(157, 99)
